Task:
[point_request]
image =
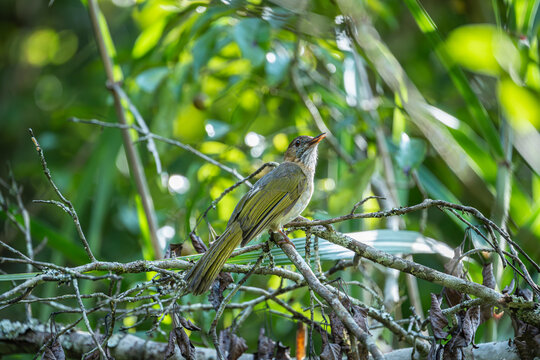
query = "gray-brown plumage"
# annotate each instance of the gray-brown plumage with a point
(276, 199)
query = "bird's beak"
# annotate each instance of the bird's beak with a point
(317, 139)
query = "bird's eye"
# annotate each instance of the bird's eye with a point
(297, 143)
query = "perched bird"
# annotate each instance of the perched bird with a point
(276, 199)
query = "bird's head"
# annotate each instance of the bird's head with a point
(303, 150)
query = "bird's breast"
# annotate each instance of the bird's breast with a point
(300, 205)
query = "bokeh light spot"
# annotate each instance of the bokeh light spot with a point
(48, 92)
(40, 47)
(178, 184)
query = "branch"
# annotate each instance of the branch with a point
(489, 296)
(69, 206)
(428, 203)
(330, 298)
(131, 153)
(165, 140)
(16, 338)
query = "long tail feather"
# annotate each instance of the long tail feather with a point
(202, 275)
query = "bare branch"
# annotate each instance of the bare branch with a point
(63, 199)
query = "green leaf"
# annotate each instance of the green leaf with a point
(72, 251)
(149, 79)
(249, 34)
(533, 19)
(277, 66)
(477, 111)
(205, 47)
(148, 39)
(21, 276)
(411, 153)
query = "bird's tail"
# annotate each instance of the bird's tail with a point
(202, 275)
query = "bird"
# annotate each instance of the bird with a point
(277, 198)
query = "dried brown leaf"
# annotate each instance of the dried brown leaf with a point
(218, 287)
(282, 352)
(187, 324)
(337, 328)
(331, 352)
(265, 347)
(454, 267)
(437, 318)
(488, 280)
(197, 243)
(54, 352)
(435, 351)
(178, 337)
(234, 345)
(527, 337)
(360, 316)
(508, 289)
(470, 324)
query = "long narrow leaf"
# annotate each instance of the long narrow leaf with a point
(393, 242)
(478, 113)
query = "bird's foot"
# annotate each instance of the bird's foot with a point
(284, 239)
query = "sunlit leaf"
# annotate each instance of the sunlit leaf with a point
(521, 105)
(149, 79)
(148, 39)
(472, 46)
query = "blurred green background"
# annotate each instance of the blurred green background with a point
(438, 99)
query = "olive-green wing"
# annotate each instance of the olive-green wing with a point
(271, 197)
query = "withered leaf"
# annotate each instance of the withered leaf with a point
(96, 354)
(265, 347)
(282, 352)
(527, 337)
(360, 316)
(175, 250)
(452, 352)
(197, 243)
(434, 351)
(187, 324)
(331, 352)
(337, 327)
(179, 337)
(218, 287)
(437, 318)
(470, 324)
(234, 345)
(454, 266)
(54, 352)
(508, 289)
(488, 280)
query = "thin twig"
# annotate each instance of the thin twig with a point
(150, 144)
(85, 318)
(63, 199)
(167, 141)
(219, 312)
